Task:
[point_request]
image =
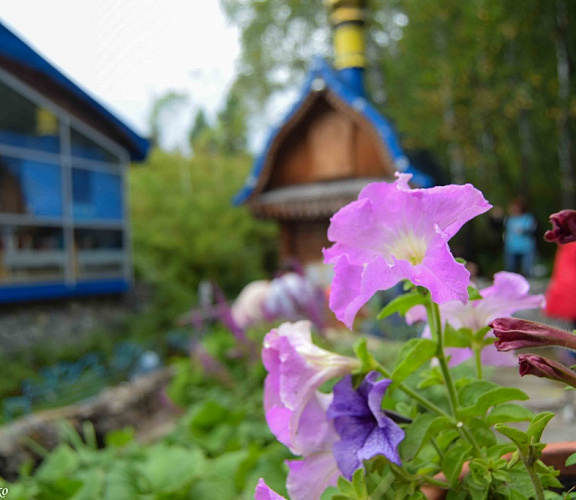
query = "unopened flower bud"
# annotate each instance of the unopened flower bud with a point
(563, 227)
(515, 333)
(531, 364)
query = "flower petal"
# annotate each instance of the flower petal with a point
(392, 233)
(264, 492)
(296, 369)
(446, 279)
(308, 478)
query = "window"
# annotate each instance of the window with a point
(30, 187)
(96, 195)
(61, 196)
(83, 147)
(25, 124)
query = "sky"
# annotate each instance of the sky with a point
(126, 53)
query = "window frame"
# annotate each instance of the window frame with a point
(66, 161)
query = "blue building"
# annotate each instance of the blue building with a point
(64, 158)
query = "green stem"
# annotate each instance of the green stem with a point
(470, 438)
(414, 395)
(436, 482)
(478, 360)
(538, 489)
(435, 323)
(437, 448)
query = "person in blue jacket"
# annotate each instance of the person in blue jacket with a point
(520, 228)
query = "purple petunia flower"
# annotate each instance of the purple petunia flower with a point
(365, 430)
(392, 233)
(508, 294)
(296, 369)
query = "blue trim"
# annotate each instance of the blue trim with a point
(353, 78)
(15, 49)
(321, 71)
(36, 291)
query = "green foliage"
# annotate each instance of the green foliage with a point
(186, 229)
(217, 451)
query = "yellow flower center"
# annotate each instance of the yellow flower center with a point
(408, 247)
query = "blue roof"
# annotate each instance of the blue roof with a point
(14, 49)
(322, 74)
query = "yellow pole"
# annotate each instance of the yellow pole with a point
(347, 18)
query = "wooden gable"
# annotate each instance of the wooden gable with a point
(330, 141)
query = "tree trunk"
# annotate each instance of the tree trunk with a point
(565, 146)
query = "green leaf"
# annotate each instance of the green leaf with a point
(61, 488)
(571, 460)
(469, 393)
(492, 398)
(346, 487)
(480, 334)
(509, 412)
(453, 461)
(217, 479)
(363, 354)
(499, 450)
(517, 437)
(413, 354)
(60, 463)
(473, 293)
(120, 438)
(538, 424)
(415, 435)
(169, 468)
(359, 483)
(402, 304)
(121, 483)
(457, 338)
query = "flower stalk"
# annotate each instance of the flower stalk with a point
(435, 323)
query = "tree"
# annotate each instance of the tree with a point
(164, 109)
(182, 236)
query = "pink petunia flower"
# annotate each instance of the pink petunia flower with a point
(508, 294)
(264, 492)
(309, 477)
(392, 233)
(296, 410)
(296, 369)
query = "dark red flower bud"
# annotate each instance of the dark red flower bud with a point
(531, 364)
(515, 333)
(563, 227)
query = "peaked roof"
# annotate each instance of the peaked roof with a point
(320, 76)
(17, 54)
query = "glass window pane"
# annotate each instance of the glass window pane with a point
(25, 124)
(99, 253)
(83, 147)
(30, 187)
(29, 254)
(96, 195)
